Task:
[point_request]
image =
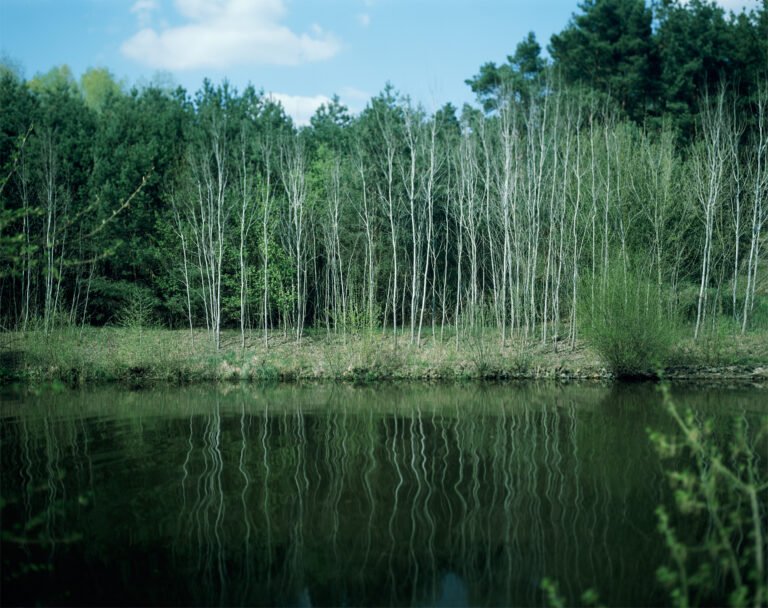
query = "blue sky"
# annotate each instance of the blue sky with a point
(301, 51)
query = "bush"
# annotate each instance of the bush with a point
(717, 534)
(630, 323)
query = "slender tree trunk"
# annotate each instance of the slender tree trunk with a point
(759, 179)
(708, 177)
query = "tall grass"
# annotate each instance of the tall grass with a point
(137, 355)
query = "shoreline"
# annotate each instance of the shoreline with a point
(88, 356)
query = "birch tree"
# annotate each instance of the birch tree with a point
(709, 168)
(293, 177)
(207, 209)
(758, 180)
(247, 218)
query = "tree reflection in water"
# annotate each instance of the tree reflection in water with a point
(331, 495)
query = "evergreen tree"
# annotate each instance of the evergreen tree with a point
(518, 77)
(609, 47)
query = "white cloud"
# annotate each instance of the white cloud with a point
(300, 107)
(143, 9)
(223, 33)
(364, 19)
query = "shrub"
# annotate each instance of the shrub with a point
(138, 311)
(630, 323)
(717, 534)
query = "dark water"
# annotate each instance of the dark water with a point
(333, 495)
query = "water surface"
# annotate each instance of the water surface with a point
(333, 495)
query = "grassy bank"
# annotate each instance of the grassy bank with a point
(137, 357)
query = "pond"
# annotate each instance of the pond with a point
(336, 495)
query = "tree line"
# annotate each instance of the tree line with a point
(214, 210)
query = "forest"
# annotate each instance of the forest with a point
(624, 172)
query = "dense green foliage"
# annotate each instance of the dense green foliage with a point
(655, 60)
(637, 145)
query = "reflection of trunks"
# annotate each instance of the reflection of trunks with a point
(443, 495)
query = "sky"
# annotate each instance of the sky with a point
(300, 51)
